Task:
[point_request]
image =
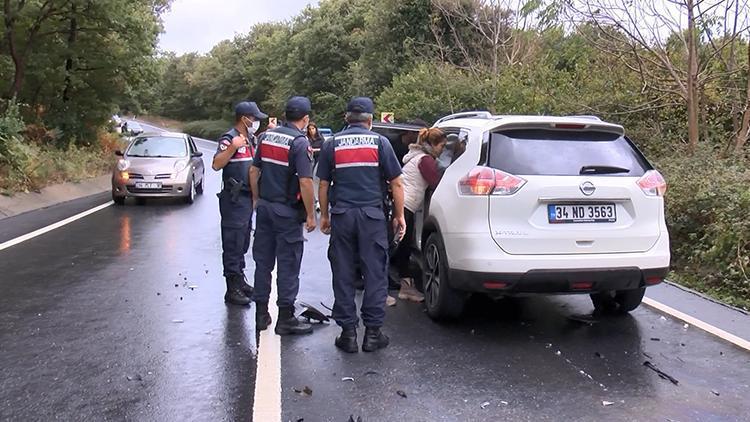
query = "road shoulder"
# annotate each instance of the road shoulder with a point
(52, 195)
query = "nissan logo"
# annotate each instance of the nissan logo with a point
(588, 188)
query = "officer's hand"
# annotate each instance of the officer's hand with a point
(310, 223)
(399, 227)
(325, 225)
(239, 141)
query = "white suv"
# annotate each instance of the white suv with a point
(541, 205)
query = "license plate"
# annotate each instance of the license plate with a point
(148, 185)
(582, 213)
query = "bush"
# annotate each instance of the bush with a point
(708, 202)
(207, 129)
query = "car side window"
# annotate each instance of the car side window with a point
(455, 146)
(460, 146)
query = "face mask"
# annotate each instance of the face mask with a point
(254, 127)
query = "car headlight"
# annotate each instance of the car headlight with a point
(180, 165)
(123, 165)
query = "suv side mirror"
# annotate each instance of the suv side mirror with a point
(197, 154)
(119, 153)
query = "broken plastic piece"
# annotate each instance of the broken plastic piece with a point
(484, 405)
(607, 403)
(401, 393)
(347, 379)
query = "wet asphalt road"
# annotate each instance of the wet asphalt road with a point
(119, 316)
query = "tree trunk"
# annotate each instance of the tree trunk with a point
(744, 133)
(72, 35)
(10, 38)
(693, 101)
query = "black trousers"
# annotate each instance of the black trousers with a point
(402, 255)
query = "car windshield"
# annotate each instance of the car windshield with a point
(158, 146)
(564, 153)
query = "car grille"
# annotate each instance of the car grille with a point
(163, 176)
(164, 189)
(135, 175)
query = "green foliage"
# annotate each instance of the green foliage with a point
(707, 213)
(207, 129)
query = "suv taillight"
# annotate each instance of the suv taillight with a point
(487, 181)
(653, 184)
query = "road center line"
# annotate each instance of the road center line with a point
(718, 332)
(53, 226)
(267, 402)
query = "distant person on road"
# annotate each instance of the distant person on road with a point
(316, 141)
(408, 138)
(358, 164)
(281, 179)
(234, 156)
(420, 173)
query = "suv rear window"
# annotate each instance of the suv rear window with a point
(548, 152)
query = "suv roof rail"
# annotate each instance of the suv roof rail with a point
(587, 116)
(465, 114)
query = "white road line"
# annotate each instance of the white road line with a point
(267, 403)
(51, 227)
(718, 332)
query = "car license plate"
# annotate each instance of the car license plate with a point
(582, 213)
(148, 185)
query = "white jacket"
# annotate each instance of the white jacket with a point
(414, 184)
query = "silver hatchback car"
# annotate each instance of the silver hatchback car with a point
(158, 165)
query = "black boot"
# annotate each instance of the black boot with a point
(289, 324)
(262, 317)
(234, 294)
(374, 340)
(246, 288)
(347, 341)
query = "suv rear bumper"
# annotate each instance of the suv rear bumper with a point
(557, 281)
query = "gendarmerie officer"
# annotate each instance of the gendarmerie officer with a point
(359, 165)
(234, 157)
(281, 180)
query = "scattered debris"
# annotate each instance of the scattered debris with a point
(185, 278)
(136, 377)
(647, 355)
(503, 402)
(716, 393)
(180, 297)
(583, 319)
(661, 373)
(484, 405)
(178, 321)
(206, 271)
(347, 379)
(351, 419)
(176, 285)
(663, 318)
(158, 294)
(558, 353)
(655, 339)
(192, 287)
(401, 393)
(607, 403)
(686, 326)
(548, 345)
(132, 269)
(682, 344)
(599, 355)
(307, 391)
(372, 373)
(313, 314)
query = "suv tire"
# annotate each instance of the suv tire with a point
(442, 301)
(621, 301)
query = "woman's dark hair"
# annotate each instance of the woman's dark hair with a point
(309, 126)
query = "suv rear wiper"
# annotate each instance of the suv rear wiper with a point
(603, 170)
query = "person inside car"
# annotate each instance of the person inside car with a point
(420, 172)
(407, 138)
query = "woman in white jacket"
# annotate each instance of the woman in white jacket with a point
(420, 172)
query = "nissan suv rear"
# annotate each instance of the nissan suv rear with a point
(542, 205)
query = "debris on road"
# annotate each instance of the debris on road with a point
(176, 285)
(178, 321)
(347, 379)
(599, 355)
(351, 419)
(158, 294)
(136, 377)
(313, 314)
(661, 373)
(716, 393)
(503, 402)
(558, 353)
(192, 287)
(655, 339)
(588, 319)
(484, 405)
(372, 373)
(686, 326)
(307, 391)
(401, 393)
